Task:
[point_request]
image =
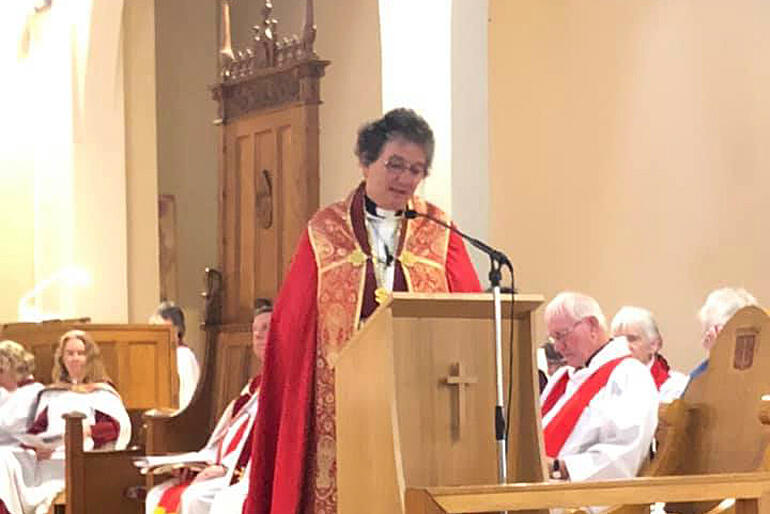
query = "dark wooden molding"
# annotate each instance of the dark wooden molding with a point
(271, 71)
(269, 88)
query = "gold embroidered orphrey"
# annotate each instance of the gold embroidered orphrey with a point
(341, 265)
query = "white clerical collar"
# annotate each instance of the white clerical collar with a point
(373, 210)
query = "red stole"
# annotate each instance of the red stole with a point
(660, 370)
(26, 381)
(293, 456)
(171, 498)
(557, 391)
(245, 397)
(563, 423)
(237, 406)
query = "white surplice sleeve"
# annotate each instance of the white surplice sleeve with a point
(189, 373)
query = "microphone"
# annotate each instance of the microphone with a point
(497, 260)
(494, 254)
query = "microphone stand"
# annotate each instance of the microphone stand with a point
(497, 260)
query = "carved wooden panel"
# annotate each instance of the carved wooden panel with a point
(236, 365)
(167, 247)
(268, 191)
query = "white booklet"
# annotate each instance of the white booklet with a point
(48, 441)
(180, 460)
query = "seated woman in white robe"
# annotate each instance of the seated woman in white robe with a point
(32, 474)
(641, 330)
(228, 450)
(168, 313)
(16, 368)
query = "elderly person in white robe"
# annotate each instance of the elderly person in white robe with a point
(16, 368)
(720, 305)
(641, 331)
(601, 410)
(227, 453)
(32, 475)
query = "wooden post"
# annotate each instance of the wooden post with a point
(74, 465)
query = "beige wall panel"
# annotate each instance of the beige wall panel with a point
(141, 158)
(186, 63)
(629, 152)
(351, 91)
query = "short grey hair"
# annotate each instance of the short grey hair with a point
(576, 305)
(721, 304)
(631, 316)
(16, 358)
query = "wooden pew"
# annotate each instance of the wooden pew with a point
(141, 361)
(752, 491)
(713, 446)
(98, 481)
(227, 366)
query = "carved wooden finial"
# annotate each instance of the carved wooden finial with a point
(226, 55)
(268, 50)
(308, 31)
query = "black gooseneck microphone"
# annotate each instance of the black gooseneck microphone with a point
(497, 260)
(494, 254)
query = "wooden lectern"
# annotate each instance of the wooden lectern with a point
(415, 396)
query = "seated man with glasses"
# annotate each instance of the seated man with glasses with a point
(352, 254)
(601, 410)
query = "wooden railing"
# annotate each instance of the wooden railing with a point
(751, 491)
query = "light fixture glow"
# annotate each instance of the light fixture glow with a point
(71, 276)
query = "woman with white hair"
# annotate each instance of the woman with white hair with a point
(641, 331)
(16, 368)
(720, 305)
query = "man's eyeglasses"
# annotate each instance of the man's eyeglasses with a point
(398, 165)
(561, 336)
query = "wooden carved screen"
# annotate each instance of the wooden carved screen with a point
(269, 191)
(268, 98)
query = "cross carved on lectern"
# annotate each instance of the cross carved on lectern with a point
(456, 378)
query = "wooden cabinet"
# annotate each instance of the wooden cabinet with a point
(268, 96)
(268, 191)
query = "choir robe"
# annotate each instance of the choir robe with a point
(228, 445)
(671, 384)
(329, 289)
(613, 432)
(29, 486)
(189, 373)
(16, 411)
(230, 499)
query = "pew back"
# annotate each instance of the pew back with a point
(236, 365)
(228, 365)
(140, 359)
(724, 434)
